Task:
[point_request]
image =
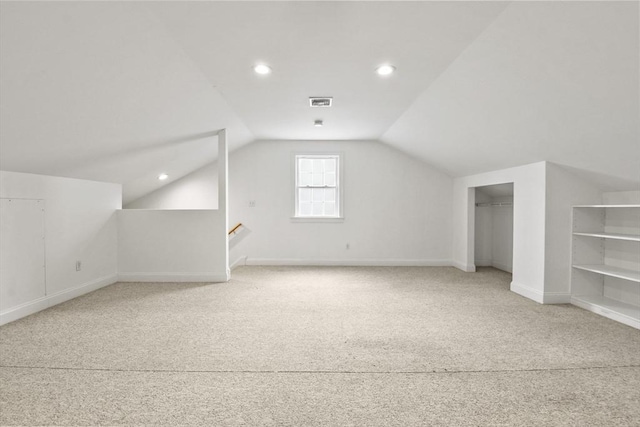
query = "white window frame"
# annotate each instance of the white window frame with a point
(339, 217)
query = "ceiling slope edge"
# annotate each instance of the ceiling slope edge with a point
(397, 142)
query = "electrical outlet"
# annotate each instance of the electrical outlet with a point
(78, 265)
(252, 203)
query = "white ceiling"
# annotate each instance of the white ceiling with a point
(121, 91)
(550, 81)
(320, 49)
(100, 91)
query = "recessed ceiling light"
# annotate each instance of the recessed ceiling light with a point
(262, 69)
(385, 70)
(318, 123)
(163, 176)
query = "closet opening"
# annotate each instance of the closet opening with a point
(494, 227)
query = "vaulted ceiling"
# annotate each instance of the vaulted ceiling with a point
(121, 91)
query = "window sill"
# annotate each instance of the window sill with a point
(317, 219)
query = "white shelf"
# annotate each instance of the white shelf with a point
(599, 233)
(607, 307)
(607, 270)
(615, 236)
(606, 206)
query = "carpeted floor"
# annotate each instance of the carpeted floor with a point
(300, 346)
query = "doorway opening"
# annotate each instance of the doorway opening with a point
(494, 227)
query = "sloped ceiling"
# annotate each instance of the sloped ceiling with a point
(121, 91)
(323, 49)
(100, 91)
(555, 81)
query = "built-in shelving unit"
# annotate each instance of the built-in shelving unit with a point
(607, 270)
(605, 276)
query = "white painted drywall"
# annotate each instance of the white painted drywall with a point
(179, 245)
(564, 189)
(198, 190)
(397, 210)
(502, 241)
(622, 197)
(483, 229)
(543, 195)
(80, 224)
(22, 257)
(528, 224)
(171, 245)
(547, 80)
(101, 91)
(422, 39)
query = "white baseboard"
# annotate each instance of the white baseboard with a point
(527, 292)
(173, 277)
(607, 311)
(40, 304)
(494, 264)
(23, 310)
(541, 297)
(239, 262)
(351, 262)
(468, 268)
(556, 298)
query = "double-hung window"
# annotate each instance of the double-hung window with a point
(317, 186)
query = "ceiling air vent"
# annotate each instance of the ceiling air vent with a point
(324, 101)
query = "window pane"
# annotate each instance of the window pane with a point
(304, 195)
(317, 186)
(305, 209)
(330, 178)
(330, 165)
(317, 166)
(304, 180)
(330, 194)
(317, 209)
(305, 165)
(329, 208)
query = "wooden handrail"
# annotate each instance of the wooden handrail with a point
(233, 230)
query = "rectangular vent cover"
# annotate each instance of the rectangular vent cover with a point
(324, 101)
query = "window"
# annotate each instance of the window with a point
(317, 186)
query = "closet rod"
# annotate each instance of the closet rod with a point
(482, 205)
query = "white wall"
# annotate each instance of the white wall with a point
(564, 190)
(621, 197)
(397, 210)
(502, 242)
(172, 245)
(483, 229)
(528, 224)
(543, 196)
(198, 190)
(179, 245)
(80, 224)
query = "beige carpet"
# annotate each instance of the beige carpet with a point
(319, 346)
